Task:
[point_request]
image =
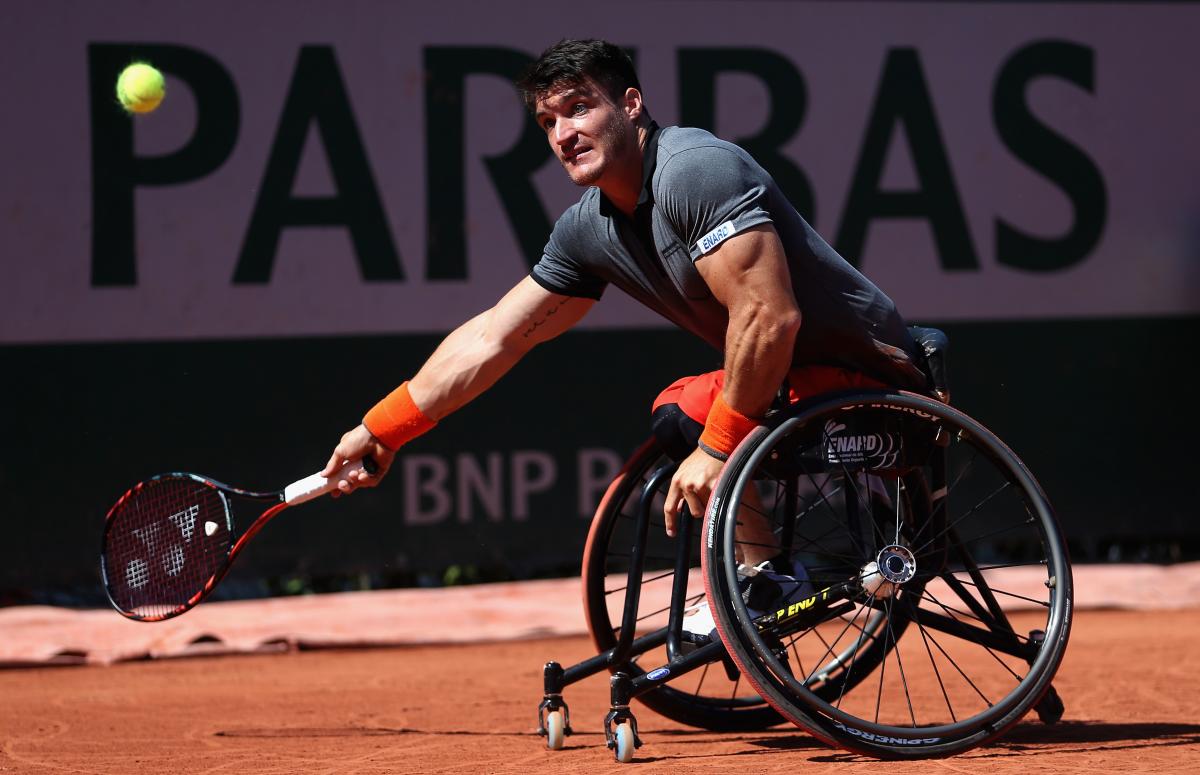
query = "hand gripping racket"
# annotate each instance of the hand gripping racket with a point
(169, 540)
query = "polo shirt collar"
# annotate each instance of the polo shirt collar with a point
(649, 163)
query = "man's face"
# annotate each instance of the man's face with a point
(590, 134)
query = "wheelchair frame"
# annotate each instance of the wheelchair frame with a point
(812, 713)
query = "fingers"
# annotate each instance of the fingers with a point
(671, 509)
(679, 494)
(692, 483)
(354, 478)
(357, 445)
(335, 462)
(375, 466)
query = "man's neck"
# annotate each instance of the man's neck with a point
(625, 191)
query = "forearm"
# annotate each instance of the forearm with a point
(481, 351)
(468, 361)
(465, 364)
(758, 353)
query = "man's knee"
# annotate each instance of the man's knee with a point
(679, 412)
(677, 433)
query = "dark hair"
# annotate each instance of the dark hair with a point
(571, 62)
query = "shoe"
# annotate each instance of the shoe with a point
(698, 625)
(764, 590)
(767, 589)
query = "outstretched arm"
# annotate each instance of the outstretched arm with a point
(468, 361)
(749, 275)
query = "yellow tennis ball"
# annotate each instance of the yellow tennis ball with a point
(140, 88)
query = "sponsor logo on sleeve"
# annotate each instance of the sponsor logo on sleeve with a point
(715, 237)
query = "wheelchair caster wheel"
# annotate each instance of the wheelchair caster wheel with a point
(555, 730)
(625, 744)
(1050, 708)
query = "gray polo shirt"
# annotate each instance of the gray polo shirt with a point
(699, 191)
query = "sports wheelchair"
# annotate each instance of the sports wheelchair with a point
(938, 603)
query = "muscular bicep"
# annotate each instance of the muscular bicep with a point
(748, 273)
(750, 270)
(529, 314)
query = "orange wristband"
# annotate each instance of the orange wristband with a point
(396, 420)
(724, 429)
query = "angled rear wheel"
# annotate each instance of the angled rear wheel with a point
(939, 556)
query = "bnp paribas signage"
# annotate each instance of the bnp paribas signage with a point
(325, 173)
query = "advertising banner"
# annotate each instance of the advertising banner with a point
(364, 168)
(225, 284)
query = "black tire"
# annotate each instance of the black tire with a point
(954, 668)
(706, 698)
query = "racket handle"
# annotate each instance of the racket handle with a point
(316, 485)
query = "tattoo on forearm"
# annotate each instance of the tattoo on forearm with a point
(539, 323)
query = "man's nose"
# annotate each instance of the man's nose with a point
(564, 133)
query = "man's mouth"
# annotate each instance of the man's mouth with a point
(576, 156)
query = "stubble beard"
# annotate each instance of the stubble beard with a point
(613, 142)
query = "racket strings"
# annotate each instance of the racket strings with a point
(164, 541)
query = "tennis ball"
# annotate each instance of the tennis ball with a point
(140, 88)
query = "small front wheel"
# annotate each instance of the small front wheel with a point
(625, 743)
(555, 730)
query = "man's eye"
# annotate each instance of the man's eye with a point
(579, 108)
(547, 125)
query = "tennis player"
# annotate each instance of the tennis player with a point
(692, 227)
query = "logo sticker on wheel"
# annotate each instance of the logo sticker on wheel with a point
(886, 739)
(873, 450)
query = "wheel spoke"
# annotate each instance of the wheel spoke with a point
(993, 654)
(883, 663)
(897, 517)
(830, 646)
(857, 648)
(809, 543)
(829, 506)
(980, 613)
(899, 662)
(1042, 603)
(944, 498)
(852, 482)
(933, 663)
(956, 522)
(954, 664)
(958, 614)
(799, 661)
(1007, 641)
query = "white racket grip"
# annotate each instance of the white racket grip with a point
(316, 485)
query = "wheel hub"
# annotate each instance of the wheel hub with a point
(897, 564)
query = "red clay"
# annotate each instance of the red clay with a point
(1131, 682)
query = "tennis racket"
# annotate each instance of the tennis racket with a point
(170, 540)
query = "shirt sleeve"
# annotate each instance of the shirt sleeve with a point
(560, 270)
(711, 193)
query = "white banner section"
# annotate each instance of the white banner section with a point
(330, 168)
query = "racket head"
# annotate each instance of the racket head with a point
(165, 543)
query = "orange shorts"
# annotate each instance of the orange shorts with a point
(680, 412)
(695, 395)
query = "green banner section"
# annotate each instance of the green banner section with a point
(504, 488)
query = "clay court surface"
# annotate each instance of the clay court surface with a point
(1131, 683)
